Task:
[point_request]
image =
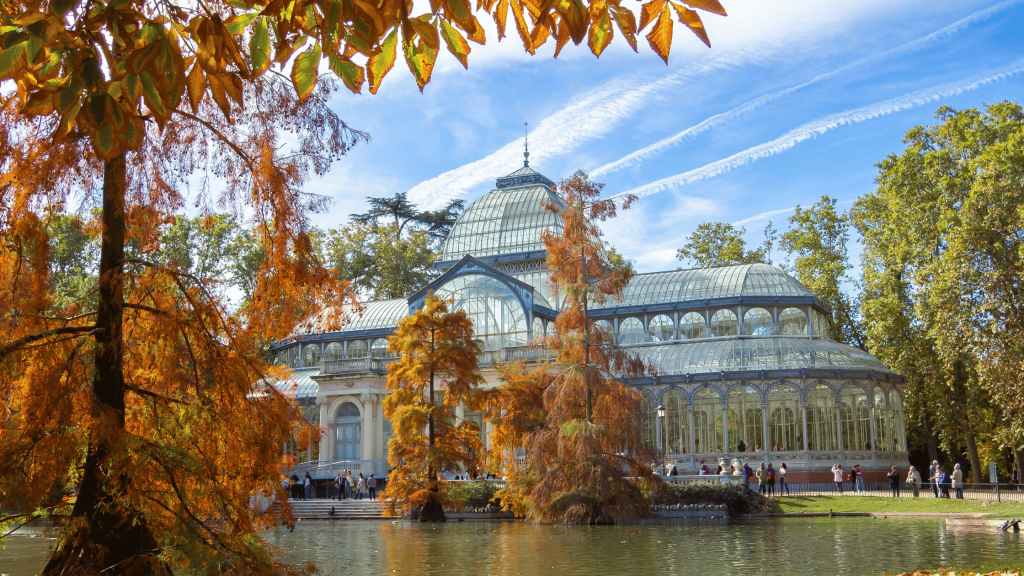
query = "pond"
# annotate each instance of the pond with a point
(789, 546)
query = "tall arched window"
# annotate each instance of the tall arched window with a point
(745, 419)
(648, 415)
(897, 422)
(498, 318)
(792, 322)
(821, 419)
(334, 351)
(348, 439)
(538, 328)
(662, 329)
(293, 357)
(758, 322)
(856, 418)
(881, 421)
(707, 419)
(677, 425)
(724, 323)
(783, 417)
(692, 325)
(631, 331)
(357, 349)
(311, 355)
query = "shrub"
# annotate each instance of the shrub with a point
(739, 499)
(472, 494)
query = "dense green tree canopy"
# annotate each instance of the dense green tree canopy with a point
(719, 244)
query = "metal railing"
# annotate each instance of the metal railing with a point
(330, 468)
(975, 492)
(375, 365)
(514, 353)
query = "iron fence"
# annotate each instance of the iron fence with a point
(971, 491)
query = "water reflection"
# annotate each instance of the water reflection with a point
(791, 546)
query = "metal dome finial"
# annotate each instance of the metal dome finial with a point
(526, 142)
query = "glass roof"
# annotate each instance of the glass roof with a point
(299, 383)
(706, 283)
(714, 355)
(503, 221)
(375, 314)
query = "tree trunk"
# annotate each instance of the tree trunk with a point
(432, 511)
(106, 537)
(933, 447)
(972, 454)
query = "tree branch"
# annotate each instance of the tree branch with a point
(23, 342)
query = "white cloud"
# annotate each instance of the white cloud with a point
(822, 125)
(762, 216)
(755, 32)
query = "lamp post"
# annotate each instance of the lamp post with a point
(661, 440)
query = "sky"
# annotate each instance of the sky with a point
(795, 99)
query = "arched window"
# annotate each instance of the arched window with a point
(881, 421)
(855, 418)
(745, 419)
(820, 323)
(821, 419)
(677, 425)
(293, 357)
(707, 421)
(498, 318)
(631, 331)
(692, 325)
(792, 322)
(311, 355)
(379, 348)
(758, 322)
(783, 417)
(357, 349)
(348, 438)
(662, 329)
(897, 422)
(334, 351)
(648, 415)
(538, 328)
(724, 323)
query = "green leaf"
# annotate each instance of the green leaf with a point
(68, 97)
(97, 107)
(382, 60)
(11, 60)
(259, 48)
(103, 142)
(421, 60)
(457, 45)
(152, 95)
(237, 23)
(352, 75)
(144, 58)
(304, 71)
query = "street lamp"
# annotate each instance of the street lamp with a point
(661, 441)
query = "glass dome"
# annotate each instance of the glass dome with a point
(374, 314)
(707, 283)
(757, 354)
(506, 220)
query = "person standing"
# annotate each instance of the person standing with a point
(307, 483)
(762, 478)
(958, 482)
(771, 480)
(782, 480)
(1015, 476)
(360, 487)
(348, 485)
(741, 447)
(894, 482)
(933, 477)
(337, 486)
(943, 482)
(860, 478)
(837, 472)
(852, 477)
(371, 486)
(914, 480)
(747, 473)
(296, 486)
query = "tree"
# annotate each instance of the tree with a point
(381, 263)
(124, 102)
(435, 372)
(943, 228)
(73, 262)
(436, 223)
(586, 462)
(819, 236)
(719, 244)
(614, 258)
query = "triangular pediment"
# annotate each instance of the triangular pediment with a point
(472, 265)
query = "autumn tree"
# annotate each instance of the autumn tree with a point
(719, 244)
(819, 237)
(125, 102)
(944, 228)
(436, 372)
(586, 462)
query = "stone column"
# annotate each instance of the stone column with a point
(693, 433)
(806, 438)
(871, 413)
(326, 442)
(367, 426)
(839, 427)
(764, 426)
(725, 430)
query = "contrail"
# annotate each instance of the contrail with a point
(762, 216)
(634, 158)
(820, 126)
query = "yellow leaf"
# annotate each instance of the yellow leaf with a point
(196, 83)
(626, 22)
(692, 21)
(708, 6)
(500, 16)
(457, 45)
(660, 37)
(650, 11)
(427, 32)
(600, 28)
(382, 60)
(524, 32)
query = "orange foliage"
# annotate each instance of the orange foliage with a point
(578, 421)
(436, 371)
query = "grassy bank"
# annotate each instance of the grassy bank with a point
(818, 504)
(976, 571)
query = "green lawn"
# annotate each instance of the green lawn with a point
(811, 504)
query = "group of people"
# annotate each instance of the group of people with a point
(345, 485)
(855, 476)
(744, 447)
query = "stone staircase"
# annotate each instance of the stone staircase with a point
(319, 509)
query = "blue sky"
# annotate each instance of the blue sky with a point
(794, 99)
